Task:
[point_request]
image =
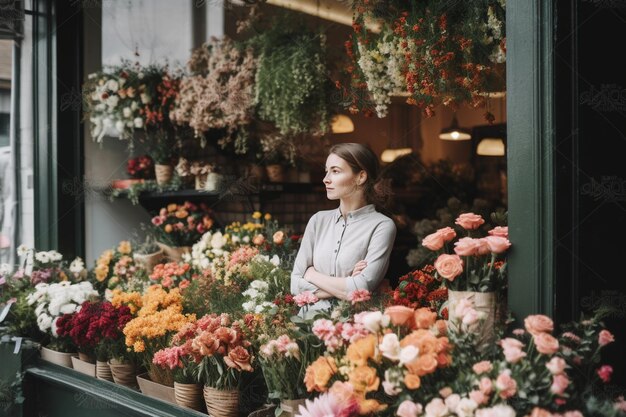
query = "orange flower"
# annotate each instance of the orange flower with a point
(401, 315)
(279, 237)
(181, 214)
(367, 407)
(124, 247)
(258, 240)
(364, 379)
(425, 364)
(239, 358)
(168, 228)
(319, 373)
(172, 208)
(422, 339)
(412, 381)
(424, 318)
(363, 349)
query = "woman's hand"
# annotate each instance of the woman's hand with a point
(359, 267)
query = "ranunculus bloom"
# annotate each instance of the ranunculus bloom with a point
(506, 385)
(482, 367)
(400, 315)
(605, 337)
(466, 246)
(497, 244)
(305, 298)
(604, 372)
(319, 373)
(469, 221)
(500, 231)
(425, 318)
(538, 324)
(433, 241)
(559, 384)
(556, 366)
(546, 343)
(409, 409)
(239, 359)
(449, 266)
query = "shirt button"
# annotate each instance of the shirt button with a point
(335, 250)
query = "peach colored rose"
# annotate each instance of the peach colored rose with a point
(401, 316)
(433, 241)
(482, 367)
(412, 381)
(239, 358)
(258, 240)
(546, 343)
(478, 397)
(556, 365)
(482, 246)
(363, 349)
(442, 327)
(445, 392)
(447, 233)
(424, 364)
(449, 266)
(425, 318)
(559, 384)
(538, 324)
(497, 244)
(469, 221)
(364, 379)
(500, 231)
(506, 385)
(466, 246)
(319, 373)
(279, 237)
(605, 337)
(422, 339)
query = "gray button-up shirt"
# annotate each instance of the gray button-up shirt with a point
(333, 244)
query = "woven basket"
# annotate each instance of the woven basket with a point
(188, 395)
(124, 374)
(103, 371)
(163, 173)
(221, 403)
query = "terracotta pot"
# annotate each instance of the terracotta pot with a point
(59, 358)
(174, 253)
(123, 373)
(189, 395)
(84, 367)
(221, 403)
(275, 173)
(155, 390)
(291, 407)
(149, 260)
(483, 302)
(163, 173)
(103, 371)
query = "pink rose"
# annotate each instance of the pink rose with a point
(500, 231)
(556, 366)
(449, 266)
(436, 408)
(605, 337)
(433, 241)
(482, 247)
(497, 244)
(485, 385)
(506, 385)
(538, 324)
(157, 220)
(478, 397)
(445, 392)
(559, 384)
(469, 221)
(409, 409)
(482, 367)
(604, 372)
(512, 349)
(466, 246)
(546, 343)
(447, 233)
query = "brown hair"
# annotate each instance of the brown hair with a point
(361, 158)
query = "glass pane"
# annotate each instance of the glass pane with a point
(158, 30)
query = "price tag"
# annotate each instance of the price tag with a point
(6, 309)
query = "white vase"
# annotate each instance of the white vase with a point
(213, 180)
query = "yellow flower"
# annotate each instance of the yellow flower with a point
(171, 208)
(124, 247)
(364, 379)
(363, 349)
(319, 373)
(256, 215)
(101, 272)
(267, 216)
(168, 228)
(181, 214)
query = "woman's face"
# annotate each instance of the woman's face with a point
(340, 181)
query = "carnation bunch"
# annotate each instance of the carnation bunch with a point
(182, 224)
(173, 274)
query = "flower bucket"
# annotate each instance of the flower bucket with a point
(103, 371)
(84, 367)
(174, 253)
(58, 358)
(221, 403)
(484, 302)
(123, 373)
(149, 260)
(163, 173)
(291, 407)
(155, 390)
(275, 173)
(189, 395)
(213, 181)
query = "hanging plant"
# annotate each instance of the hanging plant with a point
(434, 52)
(292, 80)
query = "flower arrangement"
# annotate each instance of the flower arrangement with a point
(223, 351)
(173, 274)
(53, 301)
(140, 167)
(420, 288)
(97, 329)
(478, 264)
(182, 224)
(210, 246)
(178, 356)
(114, 267)
(437, 53)
(218, 94)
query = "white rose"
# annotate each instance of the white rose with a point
(408, 354)
(112, 102)
(466, 407)
(248, 306)
(390, 346)
(235, 239)
(127, 112)
(134, 106)
(113, 85)
(452, 401)
(138, 122)
(145, 99)
(500, 410)
(374, 321)
(246, 239)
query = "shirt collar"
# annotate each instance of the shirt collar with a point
(356, 214)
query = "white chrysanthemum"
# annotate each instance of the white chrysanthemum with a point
(23, 250)
(42, 257)
(68, 308)
(55, 256)
(218, 241)
(77, 265)
(259, 285)
(249, 306)
(44, 322)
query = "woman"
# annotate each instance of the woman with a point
(347, 248)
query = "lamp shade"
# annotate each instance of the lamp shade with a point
(490, 147)
(341, 124)
(454, 132)
(390, 155)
